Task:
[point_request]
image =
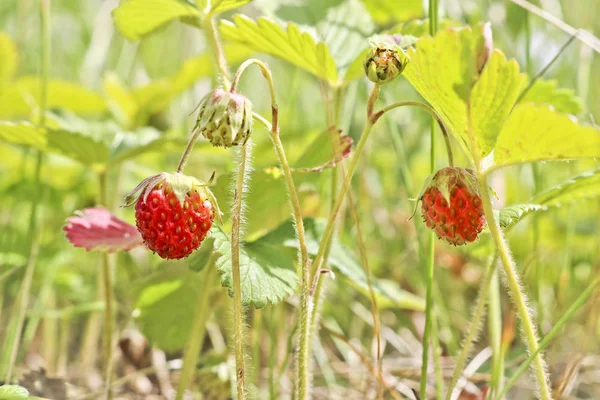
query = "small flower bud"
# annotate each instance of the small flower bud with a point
(225, 118)
(384, 63)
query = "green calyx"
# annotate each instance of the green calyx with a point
(448, 178)
(181, 185)
(384, 62)
(225, 118)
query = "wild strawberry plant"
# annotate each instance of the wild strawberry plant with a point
(348, 93)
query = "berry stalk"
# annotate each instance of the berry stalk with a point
(238, 312)
(212, 36)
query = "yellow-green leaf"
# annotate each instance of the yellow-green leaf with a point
(547, 92)
(385, 11)
(538, 133)
(21, 97)
(219, 6)
(138, 18)
(492, 99)
(290, 44)
(8, 59)
(23, 133)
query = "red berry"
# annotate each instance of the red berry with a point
(173, 213)
(451, 206)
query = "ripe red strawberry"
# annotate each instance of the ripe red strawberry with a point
(174, 213)
(451, 205)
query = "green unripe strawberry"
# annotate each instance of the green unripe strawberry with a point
(384, 62)
(225, 118)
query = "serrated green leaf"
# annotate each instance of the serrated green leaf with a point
(492, 99)
(267, 274)
(165, 304)
(580, 187)
(13, 392)
(547, 92)
(385, 11)
(23, 133)
(509, 216)
(342, 260)
(8, 55)
(138, 18)
(443, 70)
(538, 133)
(21, 96)
(78, 147)
(219, 6)
(290, 44)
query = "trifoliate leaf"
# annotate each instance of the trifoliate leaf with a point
(138, 18)
(290, 44)
(444, 70)
(538, 133)
(268, 275)
(547, 92)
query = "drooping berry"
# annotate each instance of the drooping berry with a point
(384, 62)
(225, 118)
(451, 205)
(173, 213)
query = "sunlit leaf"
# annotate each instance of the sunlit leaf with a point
(443, 70)
(23, 133)
(385, 11)
(538, 133)
(219, 6)
(492, 99)
(267, 274)
(138, 18)
(290, 44)
(97, 229)
(8, 55)
(22, 96)
(13, 392)
(547, 92)
(580, 187)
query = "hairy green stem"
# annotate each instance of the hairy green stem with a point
(212, 37)
(514, 285)
(495, 333)
(550, 336)
(474, 327)
(198, 331)
(13, 339)
(238, 312)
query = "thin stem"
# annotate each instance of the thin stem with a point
(514, 285)
(474, 328)
(33, 232)
(435, 115)
(433, 17)
(238, 313)
(428, 315)
(549, 337)
(188, 149)
(212, 37)
(495, 333)
(303, 373)
(198, 331)
(108, 301)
